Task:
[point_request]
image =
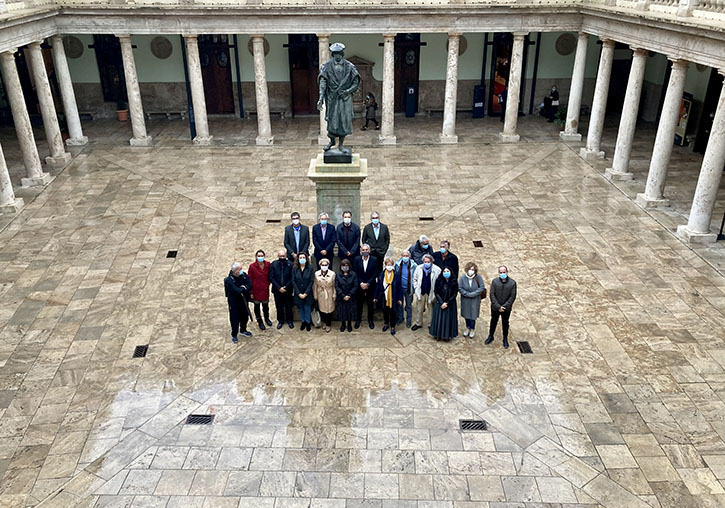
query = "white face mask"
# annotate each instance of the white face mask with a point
(347, 220)
(471, 273)
(323, 268)
(295, 221)
(389, 268)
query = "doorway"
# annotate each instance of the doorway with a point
(707, 114)
(407, 68)
(503, 44)
(216, 73)
(110, 67)
(304, 67)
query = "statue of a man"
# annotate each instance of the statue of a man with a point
(338, 80)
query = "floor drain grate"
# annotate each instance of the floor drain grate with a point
(426, 218)
(273, 221)
(171, 254)
(478, 425)
(140, 351)
(478, 244)
(199, 419)
(524, 347)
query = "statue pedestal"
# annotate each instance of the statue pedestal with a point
(338, 186)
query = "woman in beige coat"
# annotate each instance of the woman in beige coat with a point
(324, 292)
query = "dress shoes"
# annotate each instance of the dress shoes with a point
(280, 324)
(488, 340)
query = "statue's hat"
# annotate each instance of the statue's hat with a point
(338, 47)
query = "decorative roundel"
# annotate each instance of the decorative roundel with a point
(410, 57)
(73, 46)
(204, 58)
(161, 47)
(462, 45)
(566, 44)
(250, 47)
(222, 58)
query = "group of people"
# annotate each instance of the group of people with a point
(421, 287)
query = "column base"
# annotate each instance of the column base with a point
(266, 140)
(648, 203)
(448, 140)
(59, 161)
(569, 136)
(617, 176)
(76, 141)
(590, 155)
(36, 181)
(508, 138)
(144, 141)
(203, 141)
(686, 235)
(13, 207)
(387, 140)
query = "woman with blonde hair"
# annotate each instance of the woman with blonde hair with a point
(324, 291)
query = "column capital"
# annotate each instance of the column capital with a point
(323, 36)
(124, 36)
(35, 44)
(454, 35)
(56, 39)
(721, 71)
(678, 63)
(190, 36)
(257, 37)
(583, 35)
(10, 53)
(389, 36)
(520, 35)
(639, 52)
(608, 43)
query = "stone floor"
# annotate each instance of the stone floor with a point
(621, 404)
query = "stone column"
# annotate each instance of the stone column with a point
(451, 95)
(197, 91)
(659, 164)
(387, 132)
(599, 106)
(571, 129)
(8, 202)
(323, 54)
(70, 108)
(264, 127)
(135, 106)
(23, 128)
(59, 158)
(509, 134)
(628, 121)
(697, 229)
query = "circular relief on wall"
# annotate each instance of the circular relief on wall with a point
(700, 67)
(161, 47)
(462, 45)
(73, 46)
(204, 58)
(250, 47)
(222, 58)
(566, 44)
(410, 57)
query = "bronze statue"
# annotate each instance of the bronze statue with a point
(338, 80)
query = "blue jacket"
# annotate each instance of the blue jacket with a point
(348, 242)
(327, 244)
(367, 276)
(413, 266)
(380, 291)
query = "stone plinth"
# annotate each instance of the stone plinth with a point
(688, 236)
(338, 186)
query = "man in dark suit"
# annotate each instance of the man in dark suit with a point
(296, 237)
(367, 270)
(323, 238)
(377, 235)
(348, 238)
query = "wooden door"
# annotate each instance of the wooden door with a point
(304, 68)
(500, 68)
(216, 73)
(110, 67)
(407, 67)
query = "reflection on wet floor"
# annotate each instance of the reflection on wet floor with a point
(620, 404)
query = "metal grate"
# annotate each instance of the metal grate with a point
(273, 221)
(171, 254)
(199, 419)
(524, 347)
(473, 425)
(478, 244)
(140, 351)
(426, 218)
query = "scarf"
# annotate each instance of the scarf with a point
(389, 288)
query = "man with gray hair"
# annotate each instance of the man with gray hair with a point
(237, 287)
(377, 235)
(424, 283)
(404, 270)
(366, 268)
(420, 249)
(324, 238)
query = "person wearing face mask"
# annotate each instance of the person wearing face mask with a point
(346, 289)
(324, 292)
(280, 275)
(366, 269)
(473, 290)
(296, 237)
(259, 274)
(444, 258)
(424, 281)
(420, 249)
(377, 236)
(237, 286)
(404, 269)
(389, 294)
(503, 295)
(302, 281)
(323, 238)
(348, 238)
(444, 324)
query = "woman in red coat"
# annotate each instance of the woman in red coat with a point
(259, 274)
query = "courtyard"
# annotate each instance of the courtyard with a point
(621, 404)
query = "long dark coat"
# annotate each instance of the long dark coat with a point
(302, 283)
(339, 111)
